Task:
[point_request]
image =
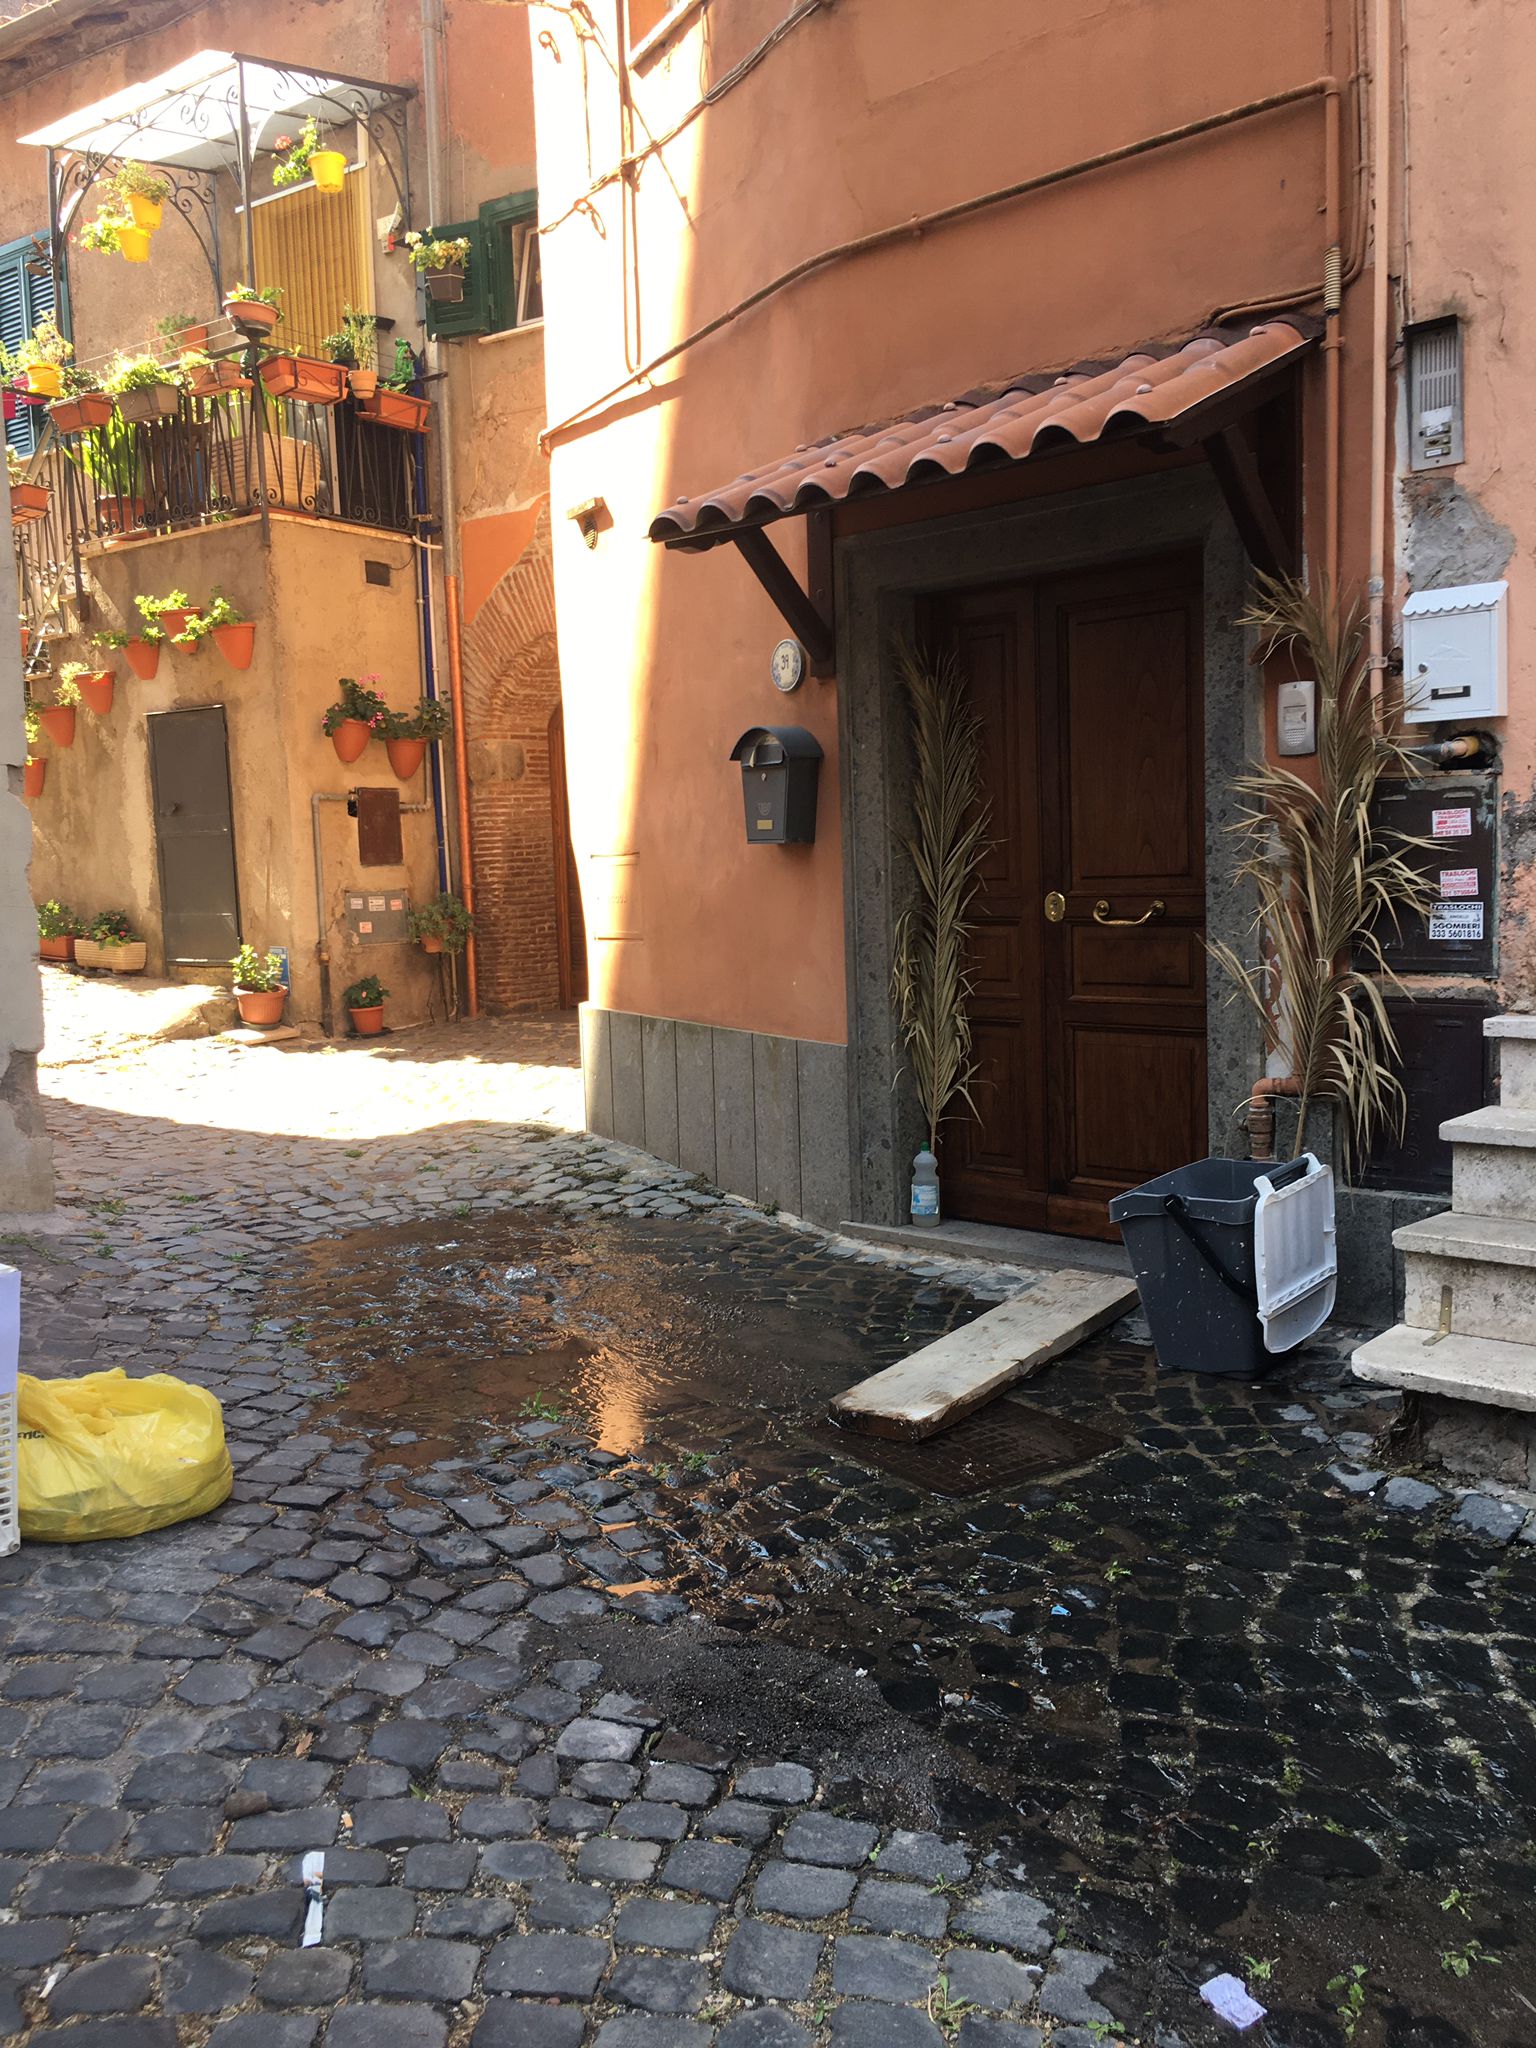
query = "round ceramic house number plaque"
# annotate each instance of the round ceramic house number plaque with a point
(787, 666)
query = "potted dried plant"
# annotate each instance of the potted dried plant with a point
(1329, 885)
(441, 925)
(355, 718)
(58, 718)
(254, 313)
(93, 684)
(408, 734)
(58, 927)
(112, 943)
(365, 1003)
(35, 773)
(259, 990)
(930, 982)
(140, 650)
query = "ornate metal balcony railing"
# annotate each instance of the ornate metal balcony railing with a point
(201, 467)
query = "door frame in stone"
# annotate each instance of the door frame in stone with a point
(881, 578)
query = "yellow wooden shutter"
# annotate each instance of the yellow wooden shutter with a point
(316, 246)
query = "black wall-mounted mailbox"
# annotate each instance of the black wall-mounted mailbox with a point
(779, 766)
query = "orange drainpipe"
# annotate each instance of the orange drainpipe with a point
(461, 786)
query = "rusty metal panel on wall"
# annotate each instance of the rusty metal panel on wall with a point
(379, 844)
(378, 917)
(1444, 1074)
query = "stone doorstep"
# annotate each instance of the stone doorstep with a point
(950, 1379)
(1486, 1369)
(1491, 1240)
(1493, 1125)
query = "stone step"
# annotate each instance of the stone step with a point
(1497, 1240)
(1489, 1264)
(1492, 1172)
(1516, 1040)
(1501, 1375)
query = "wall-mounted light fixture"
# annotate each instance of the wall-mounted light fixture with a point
(592, 517)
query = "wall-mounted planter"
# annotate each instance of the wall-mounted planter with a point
(368, 1023)
(143, 657)
(149, 402)
(350, 739)
(127, 959)
(305, 378)
(444, 287)
(58, 721)
(79, 415)
(33, 777)
(237, 644)
(29, 502)
(429, 944)
(405, 756)
(96, 689)
(61, 947)
(208, 380)
(396, 409)
(174, 623)
(262, 1007)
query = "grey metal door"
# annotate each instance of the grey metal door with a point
(194, 834)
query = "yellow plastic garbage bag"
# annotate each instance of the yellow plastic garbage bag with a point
(109, 1456)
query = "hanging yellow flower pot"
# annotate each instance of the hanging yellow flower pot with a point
(328, 168)
(44, 380)
(146, 214)
(133, 244)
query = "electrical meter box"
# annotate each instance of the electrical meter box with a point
(1456, 653)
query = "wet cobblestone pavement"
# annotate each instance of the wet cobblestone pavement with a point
(631, 1709)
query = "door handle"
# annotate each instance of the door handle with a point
(1101, 912)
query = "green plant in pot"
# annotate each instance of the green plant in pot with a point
(408, 734)
(35, 772)
(231, 631)
(365, 1001)
(94, 686)
(113, 943)
(259, 988)
(440, 262)
(141, 192)
(144, 388)
(441, 925)
(40, 359)
(171, 615)
(930, 982)
(355, 344)
(252, 312)
(141, 650)
(58, 718)
(357, 716)
(58, 927)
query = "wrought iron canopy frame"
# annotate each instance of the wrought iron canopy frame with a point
(214, 114)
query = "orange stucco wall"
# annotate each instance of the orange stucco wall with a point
(863, 115)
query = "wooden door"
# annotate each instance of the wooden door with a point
(1089, 1009)
(194, 834)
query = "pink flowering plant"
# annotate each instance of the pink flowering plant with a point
(359, 700)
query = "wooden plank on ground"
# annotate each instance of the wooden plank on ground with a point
(950, 1379)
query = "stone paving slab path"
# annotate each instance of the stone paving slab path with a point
(495, 1684)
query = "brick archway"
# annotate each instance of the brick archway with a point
(511, 690)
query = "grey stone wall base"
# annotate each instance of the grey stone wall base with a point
(756, 1114)
(1474, 1441)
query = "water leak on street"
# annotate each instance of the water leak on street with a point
(1240, 1711)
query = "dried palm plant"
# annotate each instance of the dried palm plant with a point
(1329, 886)
(930, 983)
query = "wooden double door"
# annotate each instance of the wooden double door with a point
(1088, 961)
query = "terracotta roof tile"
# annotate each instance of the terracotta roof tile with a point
(1033, 414)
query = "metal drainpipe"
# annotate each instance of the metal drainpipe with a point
(432, 33)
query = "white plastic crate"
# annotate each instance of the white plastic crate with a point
(1295, 1255)
(10, 1347)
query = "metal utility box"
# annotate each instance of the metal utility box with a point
(1456, 653)
(379, 919)
(1444, 1074)
(1456, 815)
(779, 769)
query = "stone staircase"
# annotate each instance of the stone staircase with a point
(1469, 1328)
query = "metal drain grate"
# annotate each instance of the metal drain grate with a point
(1005, 1444)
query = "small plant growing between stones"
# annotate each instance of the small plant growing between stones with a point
(1349, 1987)
(1116, 1570)
(539, 1408)
(695, 1461)
(1455, 1901)
(946, 2012)
(1260, 1969)
(1459, 1961)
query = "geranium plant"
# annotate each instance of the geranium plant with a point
(56, 920)
(143, 372)
(103, 234)
(444, 918)
(114, 928)
(431, 719)
(367, 994)
(244, 294)
(66, 691)
(138, 181)
(431, 252)
(359, 700)
(292, 166)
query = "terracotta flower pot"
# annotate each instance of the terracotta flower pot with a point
(97, 691)
(26, 641)
(60, 948)
(195, 334)
(143, 657)
(350, 739)
(405, 756)
(397, 409)
(368, 1023)
(146, 212)
(308, 379)
(79, 415)
(261, 1006)
(32, 778)
(174, 623)
(429, 943)
(364, 382)
(58, 722)
(252, 316)
(30, 501)
(237, 644)
(208, 380)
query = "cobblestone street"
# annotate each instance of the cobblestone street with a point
(629, 1706)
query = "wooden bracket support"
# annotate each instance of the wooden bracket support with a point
(1236, 470)
(796, 607)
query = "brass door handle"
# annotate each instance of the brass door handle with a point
(1101, 912)
(1055, 907)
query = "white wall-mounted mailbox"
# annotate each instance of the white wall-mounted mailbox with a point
(1456, 653)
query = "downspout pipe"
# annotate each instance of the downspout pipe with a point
(322, 923)
(433, 31)
(1381, 175)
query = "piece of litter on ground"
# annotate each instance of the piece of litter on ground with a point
(313, 1874)
(1059, 1609)
(1227, 1996)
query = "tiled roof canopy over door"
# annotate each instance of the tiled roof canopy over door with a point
(316, 246)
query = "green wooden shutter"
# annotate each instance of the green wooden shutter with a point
(498, 217)
(26, 294)
(472, 314)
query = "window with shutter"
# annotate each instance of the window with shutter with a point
(26, 294)
(503, 282)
